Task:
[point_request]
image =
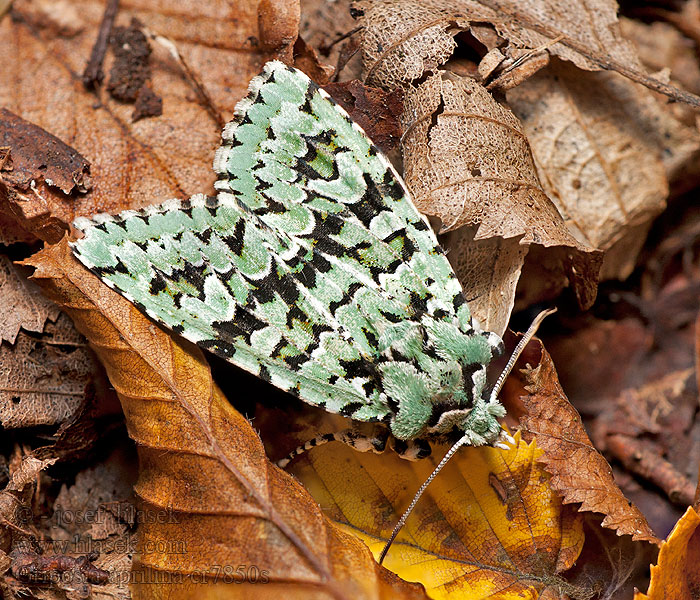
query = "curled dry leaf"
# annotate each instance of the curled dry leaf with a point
(677, 574)
(405, 38)
(25, 306)
(201, 461)
(489, 526)
(38, 172)
(579, 471)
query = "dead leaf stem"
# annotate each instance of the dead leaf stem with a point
(93, 75)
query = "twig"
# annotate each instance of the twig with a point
(200, 90)
(93, 75)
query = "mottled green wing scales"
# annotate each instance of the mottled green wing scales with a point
(310, 268)
(206, 282)
(294, 156)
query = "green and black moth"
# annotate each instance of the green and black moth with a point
(312, 269)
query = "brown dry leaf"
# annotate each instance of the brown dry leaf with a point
(677, 574)
(331, 29)
(579, 471)
(43, 377)
(45, 48)
(201, 461)
(25, 306)
(83, 521)
(468, 162)
(373, 109)
(16, 496)
(603, 148)
(649, 430)
(662, 46)
(491, 268)
(405, 38)
(38, 173)
(489, 526)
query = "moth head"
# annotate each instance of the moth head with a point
(479, 424)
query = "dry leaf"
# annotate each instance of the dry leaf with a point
(677, 574)
(331, 29)
(468, 162)
(488, 526)
(373, 109)
(490, 268)
(43, 377)
(38, 172)
(662, 46)
(25, 306)
(134, 164)
(405, 38)
(579, 471)
(649, 430)
(201, 461)
(603, 149)
(15, 498)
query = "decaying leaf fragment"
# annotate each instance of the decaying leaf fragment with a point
(37, 174)
(677, 574)
(201, 460)
(43, 377)
(25, 306)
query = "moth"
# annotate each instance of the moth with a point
(312, 269)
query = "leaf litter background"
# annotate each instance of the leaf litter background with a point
(555, 186)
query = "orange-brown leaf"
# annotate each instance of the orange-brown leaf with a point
(579, 471)
(220, 47)
(203, 470)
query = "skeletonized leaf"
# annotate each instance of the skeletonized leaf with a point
(403, 39)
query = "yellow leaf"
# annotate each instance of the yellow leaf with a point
(489, 526)
(677, 576)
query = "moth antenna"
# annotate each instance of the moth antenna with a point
(532, 330)
(466, 438)
(402, 521)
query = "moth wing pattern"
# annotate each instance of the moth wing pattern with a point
(297, 159)
(300, 268)
(202, 268)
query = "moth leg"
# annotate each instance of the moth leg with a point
(412, 449)
(359, 441)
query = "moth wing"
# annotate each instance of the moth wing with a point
(295, 158)
(213, 272)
